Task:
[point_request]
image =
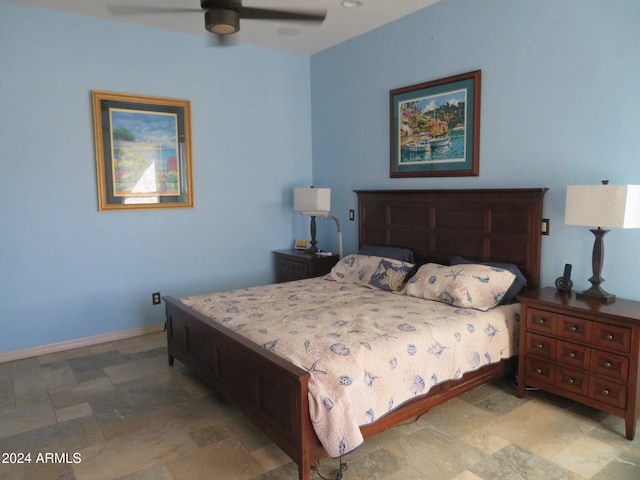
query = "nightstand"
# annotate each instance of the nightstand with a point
(583, 350)
(298, 265)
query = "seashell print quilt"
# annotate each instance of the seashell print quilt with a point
(367, 350)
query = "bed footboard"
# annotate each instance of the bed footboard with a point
(268, 390)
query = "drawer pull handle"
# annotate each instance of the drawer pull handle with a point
(542, 321)
(572, 355)
(571, 381)
(538, 371)
(573, 328)
(605, 392)
(609, 337)
(606, 364)
(539, 345)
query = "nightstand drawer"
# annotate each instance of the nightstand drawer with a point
(609, 364)
(292, 268)
(572, 380)
(540, 346)
(573, 328)
(298, 265)
(541, 321)
(573, 355)
(608, 392)
(539, 370)
(612, 337)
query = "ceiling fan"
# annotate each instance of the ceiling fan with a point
(222, 17)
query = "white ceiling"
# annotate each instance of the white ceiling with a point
(341, 23)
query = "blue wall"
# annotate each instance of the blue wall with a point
(560, 105)
(68, 271)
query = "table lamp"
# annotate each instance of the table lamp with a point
(602, 206)
(315, 202)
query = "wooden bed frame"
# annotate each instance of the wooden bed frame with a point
(501, 225)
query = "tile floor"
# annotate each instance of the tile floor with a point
(118, 411)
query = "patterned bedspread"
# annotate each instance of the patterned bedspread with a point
(367, 350)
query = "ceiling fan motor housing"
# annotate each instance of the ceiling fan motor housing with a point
(222, 21)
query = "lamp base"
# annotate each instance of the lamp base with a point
(596, 293)
(313, 249)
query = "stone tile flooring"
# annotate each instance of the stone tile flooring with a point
(118, 411)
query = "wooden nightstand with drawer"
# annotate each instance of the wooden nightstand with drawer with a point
(583, 350)
(298, 265)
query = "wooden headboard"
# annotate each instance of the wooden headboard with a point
(499, 225)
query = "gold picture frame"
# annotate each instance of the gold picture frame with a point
(143, 151)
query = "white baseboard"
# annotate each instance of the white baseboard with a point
(78, 342)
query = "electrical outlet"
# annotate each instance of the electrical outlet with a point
(155, 298)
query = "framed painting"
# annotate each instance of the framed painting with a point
(435, 128)
(143, 151)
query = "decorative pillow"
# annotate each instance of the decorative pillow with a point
(397, 253)
(466, 286)
(390, 275)
(518, 284)
(358, 269)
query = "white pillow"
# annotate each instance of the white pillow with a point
(466, 286)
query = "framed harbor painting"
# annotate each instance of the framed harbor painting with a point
(143, 151)
(435, 128)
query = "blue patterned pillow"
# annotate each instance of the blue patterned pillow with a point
(358, 269)
(518, 284)
(390, 276)
(466, 286)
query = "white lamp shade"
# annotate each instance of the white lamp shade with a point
(312, 201)
(607, 206)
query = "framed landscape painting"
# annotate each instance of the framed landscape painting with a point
(143, 151)
(435, 128)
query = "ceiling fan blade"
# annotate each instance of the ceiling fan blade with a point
(272, 14)
(140, 10)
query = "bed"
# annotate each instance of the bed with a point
(490, 225)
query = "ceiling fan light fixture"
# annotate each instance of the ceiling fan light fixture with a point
(222, 21)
